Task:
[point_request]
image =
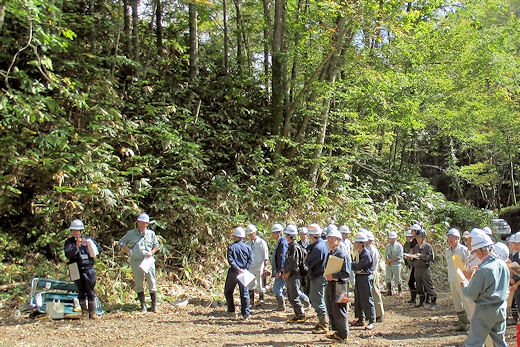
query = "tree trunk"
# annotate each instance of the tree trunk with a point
(135, 29)
(2, 15)
(194, 42)
(240, 57)
(279, 71)
(267, 43)
(159, 30)
(225, 68)
(127, 28)
(93, 39)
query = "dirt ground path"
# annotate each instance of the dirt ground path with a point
(197, 325)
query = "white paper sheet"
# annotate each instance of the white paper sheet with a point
(245, 278)
(92, 249)
(147, 263)
(73, 272)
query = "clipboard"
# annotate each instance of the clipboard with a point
(334, 264)
(457, 262)
(73, 271)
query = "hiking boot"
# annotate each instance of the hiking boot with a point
(334, 336)
(319, 329)
(231, 315)
(358, 323)
(296, 319)
(246, 317)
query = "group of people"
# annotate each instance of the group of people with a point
(140, 243)
(309, 271)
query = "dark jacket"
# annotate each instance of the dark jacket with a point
(79, 255)
(344, 272)
(294, 259)
(280, 253)
(364, 265)
(317, 258)
(240, 256)
(426, 256)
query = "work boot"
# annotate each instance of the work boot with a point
(433, 303)
(260, 300)
(142, 300)
(427, 300)
(413, 297)
(399, 290)
(153, 296)
(462, 324)
(389, 289)
(84, 310)
(251, 298)
(323, 325)
(92, 309)
(281, 303)
(421, 301)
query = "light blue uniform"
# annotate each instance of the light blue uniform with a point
(488, 288)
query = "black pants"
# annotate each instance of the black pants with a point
(411, 280)
(337, 312)
(229, 288)
(86, 284)
(424, 281)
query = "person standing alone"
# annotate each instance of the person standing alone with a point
(260, 257)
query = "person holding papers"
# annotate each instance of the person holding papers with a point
(81, 260)
(240, 259)
(336, 292)
(315, 261)
(488, 288)
(456, 256)
(424, 255)
(364, 307)
(141, 244)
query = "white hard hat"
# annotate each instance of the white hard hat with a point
(476, 231)
(251, 228)
(277, 228)
(466, 234)
(314, 229)
(369, 234)
(502, 251)
(454, 232)
(408, 233)
(303, 230)
(239, 232)
(392, 235)
(515, 238)
(330, 228)
(360, 237)
(76, 224)
(143, 217)
(344, 229)
(480, 241)
(334, 233)
(416, 227)
(487, 230)
(291, 229)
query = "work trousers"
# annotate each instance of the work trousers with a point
(139, 277)
(229, 289)
(317, 295)
(363, 300)
(294, 293)
(423, 279)
(86, 284)
(338, 315)
(393, 272)
(376, 294)
(486, 321)
(278, 285)
(457, 297)
(258, 284)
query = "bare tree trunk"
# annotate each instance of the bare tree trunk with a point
(2, 15)
(194, 41)
(92, 12)
(116, 47)
(135, 29)
(158, 16)
(127, 28)
(279, 70)
(226, 40)
(267, 43)
(240, 58)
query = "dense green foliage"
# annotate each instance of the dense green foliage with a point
(377, 112)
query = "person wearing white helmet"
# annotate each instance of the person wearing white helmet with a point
(411, 279)
(240, 258)
(424, 256)
(337, 286)
(514, 244)
(456, 250)
(408, 263)
(304, 240)
(77, 252)
(260, 258)
(291, 273)
(394, 257)
(142, 243)
(488, 288)
(345, 234)
(316, 259)
(278, 263)
(376, 292)
(364, 308)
